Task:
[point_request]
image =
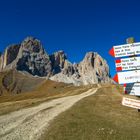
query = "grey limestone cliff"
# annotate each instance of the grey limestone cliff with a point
(31, 57)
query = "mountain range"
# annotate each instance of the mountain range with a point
(30, 58)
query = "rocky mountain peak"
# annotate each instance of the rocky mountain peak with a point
(88, 61)
(9, 55)
(31, 44)
(92, 69)
(31, 57)
(58, 60)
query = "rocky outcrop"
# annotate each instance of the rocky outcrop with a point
(30, 56)
(9, 55)
(58, 60)
(33, 58)
(93, 69)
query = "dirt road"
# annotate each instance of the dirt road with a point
(29, 123)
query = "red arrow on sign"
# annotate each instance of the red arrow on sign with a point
(111, 52)
(116, 78)
(127, 77)
(125, 50)
(118, 62)
(124, 88)
(131, 63)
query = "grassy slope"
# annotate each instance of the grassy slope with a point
(13, 82)
(99, 117)
(42, 91)
(31, 87)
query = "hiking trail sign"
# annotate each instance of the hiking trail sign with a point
(128, 70)
(132, 89)
(127, 77)
(125, 50)
(132, 63)
(131, 103)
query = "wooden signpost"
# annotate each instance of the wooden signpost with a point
(128, 70)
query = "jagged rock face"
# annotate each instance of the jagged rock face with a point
(28, 56)
(93, 69)
(68, 68)
(58, 61)
(33, 58)
(9, 55)
(12, 53)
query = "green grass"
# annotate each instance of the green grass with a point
(98, 117)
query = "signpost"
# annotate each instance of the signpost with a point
(131, 103)
(132, 89)
(131, 63)
(125, 50)
(127, 77)
(131, 70)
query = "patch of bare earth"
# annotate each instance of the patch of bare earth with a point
(97, 117)
(30, 123)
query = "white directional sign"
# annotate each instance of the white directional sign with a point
(128, 63)
(132, 89)
(127, 77)
(131, 103)
(125, 50)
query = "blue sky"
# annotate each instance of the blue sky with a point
(75, 26)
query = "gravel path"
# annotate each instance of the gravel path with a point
(30, 123)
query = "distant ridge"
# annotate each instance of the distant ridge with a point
(31, 57)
